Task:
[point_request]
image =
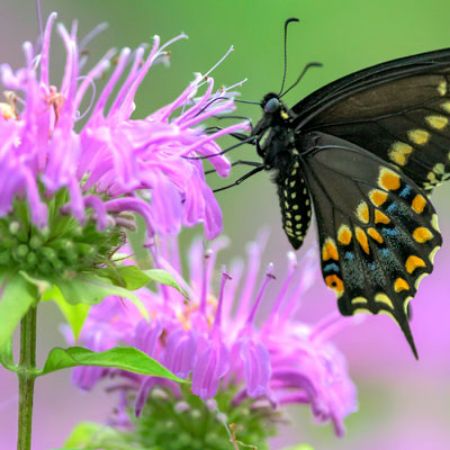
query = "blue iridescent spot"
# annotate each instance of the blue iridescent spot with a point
(405, 192)
(349, 256)
(372, 266)
(332, 267)
(392, 208)
(389, 232)
(385, 252)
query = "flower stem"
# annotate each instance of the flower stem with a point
(27, 374)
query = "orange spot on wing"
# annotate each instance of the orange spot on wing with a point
(414, 262)
(422, 235)
(329, 250)
(381, 217)
(335, 283)
(362, 212)
(378, 197)
(389, 180)
(418, 204)
(401, 284)
(373, 233)
(361, 237)
(344, 235)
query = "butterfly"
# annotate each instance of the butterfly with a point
(364, 153)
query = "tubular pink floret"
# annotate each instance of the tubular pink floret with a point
(269, 277)
(108, 154)
(45, 53)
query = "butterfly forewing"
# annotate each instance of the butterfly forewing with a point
(378, 231)
(400, 111)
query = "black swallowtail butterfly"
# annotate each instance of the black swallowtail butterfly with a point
(364, 152)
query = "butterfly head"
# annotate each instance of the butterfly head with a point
(274, 109)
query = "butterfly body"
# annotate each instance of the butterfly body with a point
(364, 153)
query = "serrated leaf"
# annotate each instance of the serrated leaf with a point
(91, 289)
(125, 358)
(16, 298)
(164, 277)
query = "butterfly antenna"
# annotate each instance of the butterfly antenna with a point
(286, 24)
(300, 77)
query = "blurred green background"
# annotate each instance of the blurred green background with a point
(403, 404)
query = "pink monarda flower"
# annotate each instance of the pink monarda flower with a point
(105, 162)
(223, 341)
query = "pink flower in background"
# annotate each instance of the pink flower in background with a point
(107, 161)
(223, 340)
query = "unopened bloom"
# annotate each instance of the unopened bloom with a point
(74, 164)
(233, 340)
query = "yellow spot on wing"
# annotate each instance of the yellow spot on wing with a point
(381, 217)
(437, 122)
(446, 106)
(400, 285)
(362, 212)
(362, 311)
(383, 298)
(419, 136)
(335, 283)
(418, 204)
(388, 179)
(433, 252)
(359, 300)
(373, 233)
(406, 304)
(399, 153)
(422, 234)
(344, 235)
(329, 250)
(414, 262)
(420, 279)
(442, 88)
(361, 237)
(378, 197)
(435, 222)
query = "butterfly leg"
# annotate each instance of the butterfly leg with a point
(252, 172)
(237, 163)
(239, 136)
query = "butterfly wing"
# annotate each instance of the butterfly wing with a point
(378, 231)
(398, 110)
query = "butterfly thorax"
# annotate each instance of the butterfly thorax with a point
(276, 144)
(275, 135)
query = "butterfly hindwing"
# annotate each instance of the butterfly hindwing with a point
(378, 231)
(399, 111)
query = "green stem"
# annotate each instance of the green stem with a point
(27, 374)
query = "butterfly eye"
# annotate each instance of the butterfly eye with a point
(272, 105)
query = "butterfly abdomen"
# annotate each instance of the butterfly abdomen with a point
(295, 202)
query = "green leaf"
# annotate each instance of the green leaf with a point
(91, 289)
(75, 315)
(163, 277)
(125, 358)
(7, 356)
(130, 277)
(88, 435)
(15, 300)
